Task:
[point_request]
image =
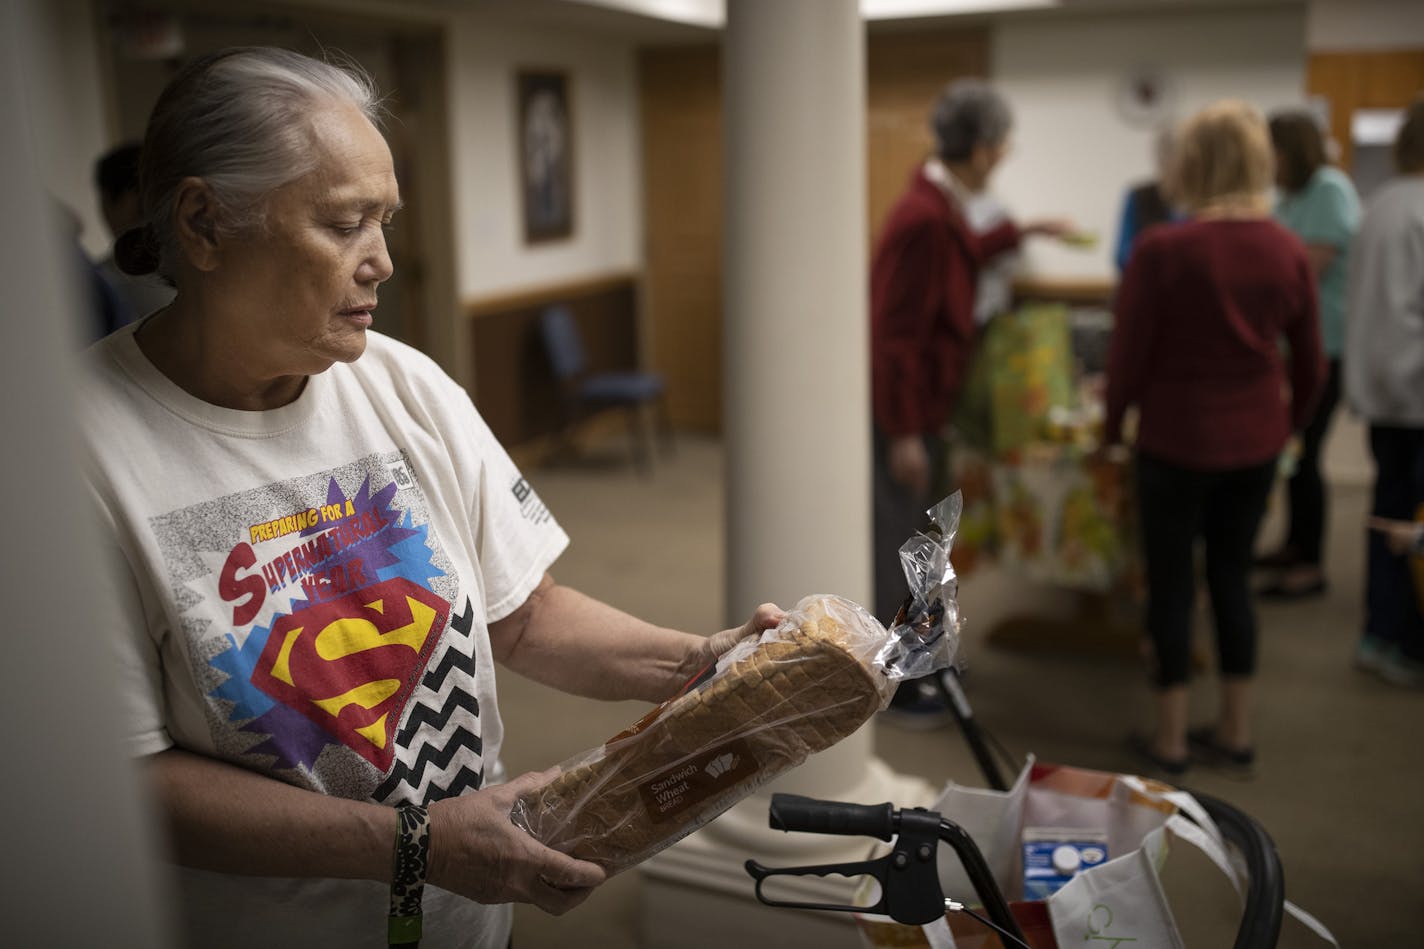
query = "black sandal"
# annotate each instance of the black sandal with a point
(1203, 741)
(1141, 746)
(1282, 590)
(1277, 559)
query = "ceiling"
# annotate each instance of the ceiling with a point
(699, 19)
(672, 22)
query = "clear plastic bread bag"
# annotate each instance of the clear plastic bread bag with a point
(763, 707)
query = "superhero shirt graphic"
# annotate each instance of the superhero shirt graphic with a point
(335, 596)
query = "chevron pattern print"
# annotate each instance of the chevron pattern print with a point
(439, 753)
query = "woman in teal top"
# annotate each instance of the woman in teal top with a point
(1319, 204)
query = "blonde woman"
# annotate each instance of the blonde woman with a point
(1196, 350)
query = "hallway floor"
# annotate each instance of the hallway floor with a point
(1335, 784)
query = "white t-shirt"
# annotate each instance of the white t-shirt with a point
(310, 594)
(994, 294)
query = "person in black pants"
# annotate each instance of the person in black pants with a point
(1318, 203)
(1195, 349)
(1393, 642)
(1299, 558)
(1176, 505)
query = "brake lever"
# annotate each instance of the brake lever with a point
(908, 875)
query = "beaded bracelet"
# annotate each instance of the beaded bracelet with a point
(412, 861)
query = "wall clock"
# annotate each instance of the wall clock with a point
(1145, 96)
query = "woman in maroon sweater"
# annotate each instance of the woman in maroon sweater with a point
(1197, 348)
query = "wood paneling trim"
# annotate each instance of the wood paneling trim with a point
(548, 293)
(514, 386)
(1085, 290)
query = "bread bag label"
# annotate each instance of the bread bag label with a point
(673, 790)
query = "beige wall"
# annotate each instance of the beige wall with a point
(1074, 153)
(1335, 25)
(66, 111)
(80, 832)
(492, 257)
(68, 115)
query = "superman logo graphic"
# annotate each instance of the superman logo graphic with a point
(351, 663)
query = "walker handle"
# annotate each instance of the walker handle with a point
(795, 812)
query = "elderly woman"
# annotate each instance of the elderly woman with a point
(923, 280)
(1195, 348)
(324, 549)
(1319, 205)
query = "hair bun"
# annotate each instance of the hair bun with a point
(136, 251)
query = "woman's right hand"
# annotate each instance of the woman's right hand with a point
(1058, 227)
(1401, 536)
(476, 851)
(909, 464)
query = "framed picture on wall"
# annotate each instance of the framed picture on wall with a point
(546, 148)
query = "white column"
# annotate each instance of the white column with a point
(796, 404)
(81, 841)
(796, 414)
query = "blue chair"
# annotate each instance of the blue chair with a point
(587, 393)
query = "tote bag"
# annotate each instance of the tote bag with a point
(1169, 879)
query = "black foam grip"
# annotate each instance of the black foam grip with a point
(794, 812)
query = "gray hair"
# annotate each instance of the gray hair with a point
(968, 113)
(240, 119)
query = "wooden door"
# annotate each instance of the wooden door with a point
(680, 89)
(905, 73)
(1381, 79)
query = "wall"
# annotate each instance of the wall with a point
(78, 817)
(1364, 24)
(66, 112)
(521, 399)
(72, 128)
(492, 257)
(1073, 153)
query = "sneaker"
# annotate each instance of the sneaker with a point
(918, 706)
(1399, 669)
(1372, 653)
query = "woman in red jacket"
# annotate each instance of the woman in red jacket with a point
(1196, 349)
